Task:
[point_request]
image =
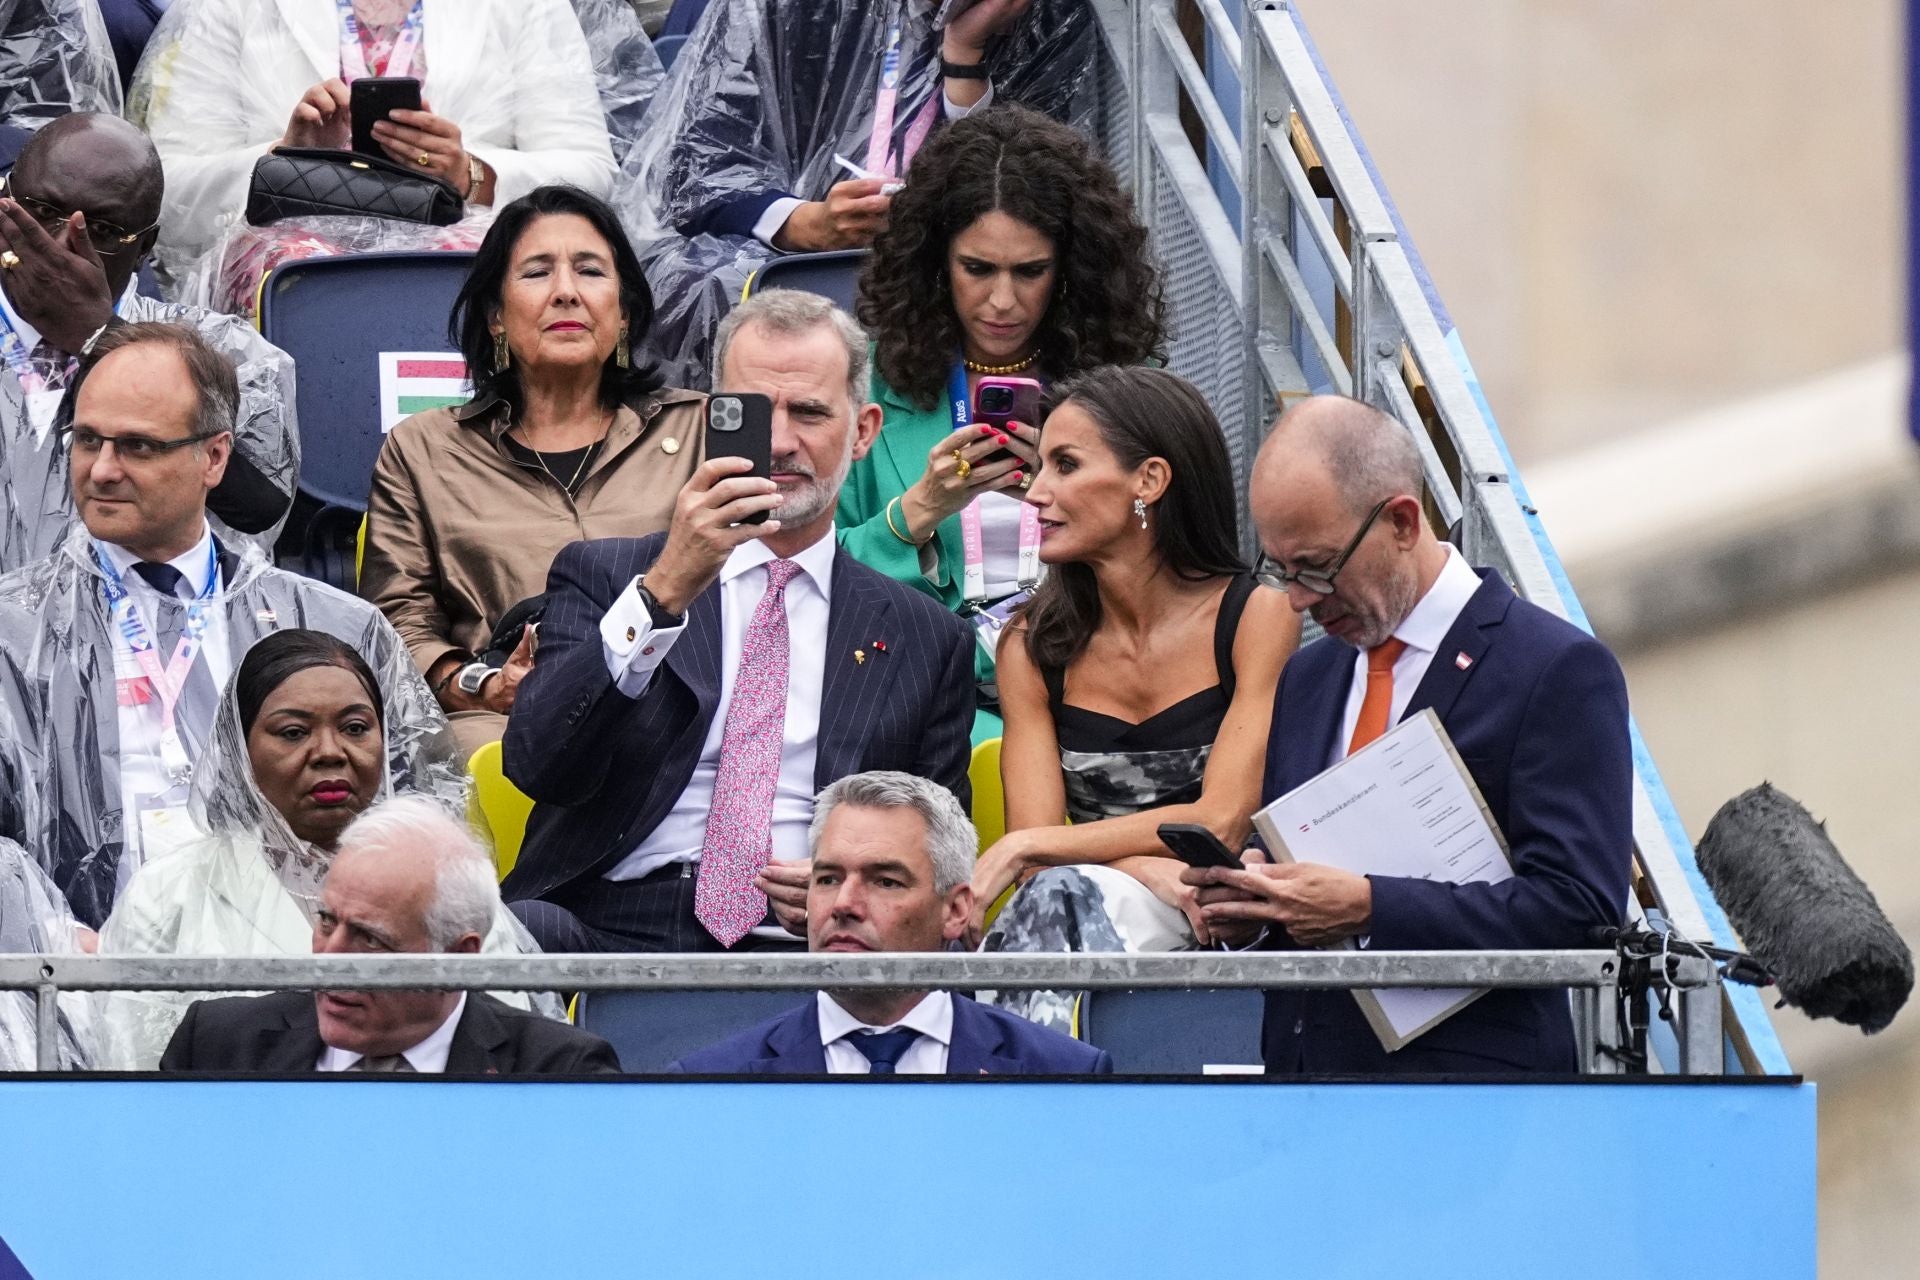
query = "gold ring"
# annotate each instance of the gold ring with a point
(423, 160)
(961, 467)
(1026, 483)
(9, 259)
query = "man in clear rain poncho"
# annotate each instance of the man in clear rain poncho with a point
(55, 57)
(77, 219)
(737, 162)
(302, 713)
(113, 649)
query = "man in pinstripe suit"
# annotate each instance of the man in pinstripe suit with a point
(694, 691)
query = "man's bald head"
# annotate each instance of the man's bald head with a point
(99, 165)
(1337, 477)
(1364, 454)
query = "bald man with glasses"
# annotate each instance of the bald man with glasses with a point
(79, 215)
(1536, 708)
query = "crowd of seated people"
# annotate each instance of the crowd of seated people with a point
(742, 699)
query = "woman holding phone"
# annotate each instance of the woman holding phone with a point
(1138, 681)
(1011, 259)
(508, 101)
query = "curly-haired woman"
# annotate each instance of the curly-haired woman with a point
(1011, 252)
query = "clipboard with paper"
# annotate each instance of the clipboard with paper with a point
(1404, 805)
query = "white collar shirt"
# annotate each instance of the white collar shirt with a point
(28, 335)
(153, 803)
(428, 1058)
(1423, 631)
(927, 1056)
(743, 581)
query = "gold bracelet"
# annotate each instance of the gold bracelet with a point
(894, 530)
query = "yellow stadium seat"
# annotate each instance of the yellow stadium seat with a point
(359, 551)
(989, 795)
(503, 807)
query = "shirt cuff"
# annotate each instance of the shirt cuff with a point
(775, 217)
(955, 112)
(632, 644)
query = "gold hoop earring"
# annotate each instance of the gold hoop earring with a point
(501, 356)
(621, 355)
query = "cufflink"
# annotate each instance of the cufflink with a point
(632, 635)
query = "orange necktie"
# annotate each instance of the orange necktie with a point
(1377, 705)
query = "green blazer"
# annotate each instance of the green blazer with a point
(899, 458)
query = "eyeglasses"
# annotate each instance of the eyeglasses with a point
(134, 449)
(106, 237)
(1267, 572)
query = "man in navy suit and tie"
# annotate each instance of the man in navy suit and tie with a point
(1535, 707)
(693, 692)
(892, 870)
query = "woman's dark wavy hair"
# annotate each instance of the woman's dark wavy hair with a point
(1144, 413)
(479, 300)
(1107, 305)
(284, 654)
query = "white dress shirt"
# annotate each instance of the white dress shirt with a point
(775, 215)
(927, 1056)
(1423, 631)
(152, 804)
(743, 581)
(428, 1058)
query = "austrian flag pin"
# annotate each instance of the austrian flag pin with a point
(1461, 660)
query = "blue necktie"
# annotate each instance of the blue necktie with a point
(883, 1048)
(163, 578)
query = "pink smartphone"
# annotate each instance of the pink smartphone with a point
(998, 401)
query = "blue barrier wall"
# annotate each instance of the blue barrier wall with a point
(417, 1178)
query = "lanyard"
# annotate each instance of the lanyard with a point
(19, 358)
(886, 102)
(170, 680)
(353, 56)
(972, 540)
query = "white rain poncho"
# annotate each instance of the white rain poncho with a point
(762, 97)
(57, 685)
(36, 498)
(626, 70)
(54, 58)
(220, 79)
(249, 887)
(34, 920)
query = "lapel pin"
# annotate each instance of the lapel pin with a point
(670, 446)
(859, 657)
(879, 646)
(1462, 661)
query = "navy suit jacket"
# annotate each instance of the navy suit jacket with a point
(604, 768)
(1539, 717)
(986, 1041)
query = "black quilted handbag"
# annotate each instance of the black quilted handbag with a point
(306, 182)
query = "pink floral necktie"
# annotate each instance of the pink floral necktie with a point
(740, 825)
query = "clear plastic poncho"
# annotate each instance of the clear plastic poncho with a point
(36, 498)
(55, 58)
(761, 98)
(248, 887)
(626, 70)
(57, 686)
(34, 920)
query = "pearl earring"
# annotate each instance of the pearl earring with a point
(1140, 509)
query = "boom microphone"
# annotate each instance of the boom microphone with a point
(1802, 911)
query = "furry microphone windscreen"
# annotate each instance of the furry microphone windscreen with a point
(1803, 913)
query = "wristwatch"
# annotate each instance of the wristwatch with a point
(473, 677)
(657, 612)
(476, 174)
(962, 70)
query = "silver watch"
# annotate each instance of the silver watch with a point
(473, 677)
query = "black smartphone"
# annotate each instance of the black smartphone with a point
(1196, 846)
(371, 100)
(740, 425)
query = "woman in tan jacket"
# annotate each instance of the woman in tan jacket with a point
(567, 437)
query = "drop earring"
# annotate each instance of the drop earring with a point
(500, 353)
(1140, 509)
(621, 355)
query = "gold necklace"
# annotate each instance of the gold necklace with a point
(1000, 370)
(586, 458)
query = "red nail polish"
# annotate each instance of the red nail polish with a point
(1016, 476)
(986, 430)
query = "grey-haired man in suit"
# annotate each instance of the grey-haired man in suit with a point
(695, 691)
